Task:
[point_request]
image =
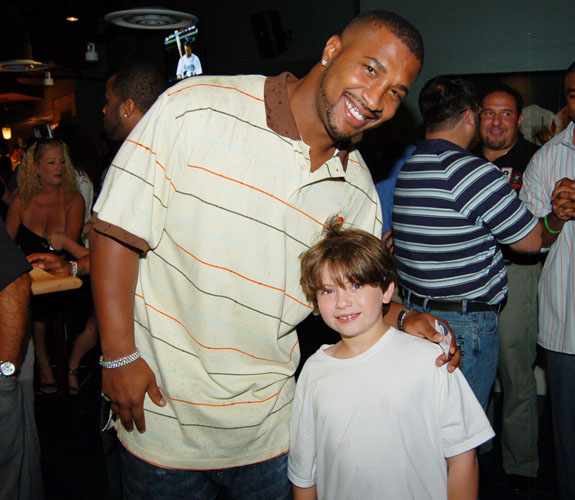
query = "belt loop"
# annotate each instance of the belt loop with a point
(425, 301)
(464, 306)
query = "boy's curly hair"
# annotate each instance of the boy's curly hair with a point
(28, 180)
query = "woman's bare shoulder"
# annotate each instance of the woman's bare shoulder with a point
(74, 197)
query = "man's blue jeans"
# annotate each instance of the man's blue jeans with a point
(560, 377)
(476, 334)
(262, 481)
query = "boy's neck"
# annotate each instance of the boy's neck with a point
(350, 347)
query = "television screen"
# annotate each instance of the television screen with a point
(181, 54)
(43, 131)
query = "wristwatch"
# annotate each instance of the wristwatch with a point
(8, 369)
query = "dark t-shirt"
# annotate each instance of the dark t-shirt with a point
(514, 162)
(13, 263)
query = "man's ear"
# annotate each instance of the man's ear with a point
(520, 120)
(127, 108)
(332, 48)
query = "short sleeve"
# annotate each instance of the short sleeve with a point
(463, 423)
(302, 454)
(13, 263)
(494, 201)
(140, 182)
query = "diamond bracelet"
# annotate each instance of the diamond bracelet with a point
(117, 363)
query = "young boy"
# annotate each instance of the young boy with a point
(373, 417)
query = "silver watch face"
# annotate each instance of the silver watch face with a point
(7, 368)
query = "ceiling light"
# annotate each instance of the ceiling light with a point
(72, 11)
(22, 66)
(7, 133)
(91, 54)
(48, 80)
(151, 18)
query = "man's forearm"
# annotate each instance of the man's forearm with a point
(532, 242)
(14, 304)
(114, 277)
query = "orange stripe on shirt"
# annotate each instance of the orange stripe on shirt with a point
(358, 163)
(157, 162)
(223, 404)
(258, 190)
(217, 348)
(217, 87)
(242, 276)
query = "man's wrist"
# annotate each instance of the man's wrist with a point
(402, 316)
(8, 369)
(553, 224)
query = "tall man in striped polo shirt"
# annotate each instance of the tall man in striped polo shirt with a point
(554, 162)
(451, 211)
(202, 218)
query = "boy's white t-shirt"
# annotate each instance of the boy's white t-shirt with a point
(381, 425)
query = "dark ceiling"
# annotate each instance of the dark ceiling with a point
(38, 29)
(42, 26)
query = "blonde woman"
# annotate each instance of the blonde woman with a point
(46, 202)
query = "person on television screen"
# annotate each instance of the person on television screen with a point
(189, 64)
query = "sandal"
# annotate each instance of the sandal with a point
(47, 388)
(73, 390)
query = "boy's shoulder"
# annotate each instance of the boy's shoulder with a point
(394, 347)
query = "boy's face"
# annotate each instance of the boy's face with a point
(352, 310)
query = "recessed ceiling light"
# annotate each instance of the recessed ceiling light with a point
(151, 18)
(22, 66)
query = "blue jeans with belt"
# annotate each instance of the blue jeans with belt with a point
(476, 334)
(261, 481)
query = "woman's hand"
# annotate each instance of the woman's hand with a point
(50, 262)
(57, 240)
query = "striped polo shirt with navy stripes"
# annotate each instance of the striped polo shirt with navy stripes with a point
(450, 211)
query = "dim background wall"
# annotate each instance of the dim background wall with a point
(490, 36)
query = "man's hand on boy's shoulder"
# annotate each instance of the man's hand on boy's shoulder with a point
(423, 325)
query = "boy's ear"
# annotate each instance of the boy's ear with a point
(388, 294)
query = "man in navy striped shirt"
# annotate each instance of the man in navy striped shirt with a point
(451, 211)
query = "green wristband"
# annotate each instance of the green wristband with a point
(548, 228)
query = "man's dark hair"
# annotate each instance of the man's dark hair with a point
(139, 81)
(400, 28)
(507, 90)
(443, 100)
(570, 69)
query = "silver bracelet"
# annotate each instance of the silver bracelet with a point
(74, 265)
(117, 363)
